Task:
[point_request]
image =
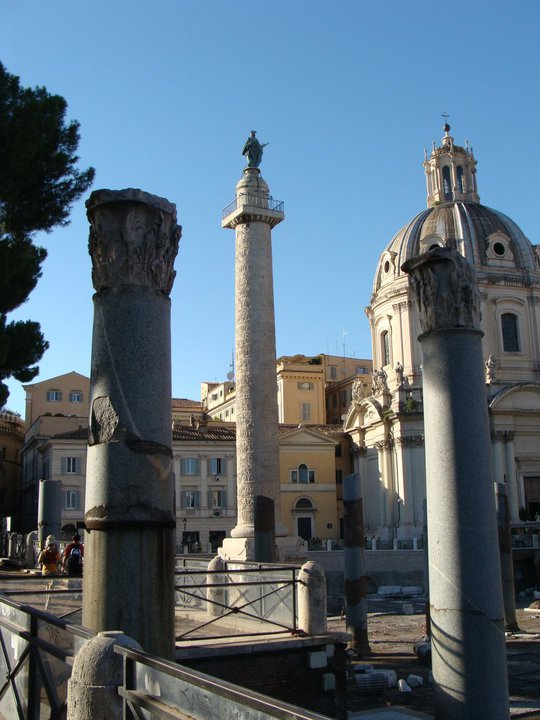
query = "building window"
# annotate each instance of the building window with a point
(72, 500)
(333, 372)
(338, 451)
(447, 183)
(339, 477)
(189, 466)
(305, 385)
(217, 499)
(75, 396)
(360, 370)
(509, 325)
(459, 173)
(302, 474)
(306, 412)
(190, 499)
(385, 348)
(70, 465)
(54, 395)
(217, 466)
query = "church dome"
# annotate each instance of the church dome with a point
(487, 238)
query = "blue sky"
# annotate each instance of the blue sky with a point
(347, 94)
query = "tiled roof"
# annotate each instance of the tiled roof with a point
(184, 432)
(185, 402)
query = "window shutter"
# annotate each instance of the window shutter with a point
(224, 499)
(182, 468)
(64, 465)
(197, 498)
(183, 499)
(78, 465)
(210, 499)
(224, 466)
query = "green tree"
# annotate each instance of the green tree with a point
(39, 182)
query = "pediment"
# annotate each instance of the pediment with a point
(305, 436)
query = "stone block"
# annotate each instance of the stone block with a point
(415, 680)
(390, 675)
(404, 687)
(317, 659)
(328, 681)
(385, 590)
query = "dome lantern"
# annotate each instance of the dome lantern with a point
(450, 172)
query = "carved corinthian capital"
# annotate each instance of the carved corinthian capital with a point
(133, 239)
(446, 290)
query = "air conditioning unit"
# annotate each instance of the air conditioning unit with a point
(216, 513)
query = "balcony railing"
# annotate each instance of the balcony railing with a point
(265, 203)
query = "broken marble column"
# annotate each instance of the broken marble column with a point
(129, 511)
(355, 566)
(252, 216)
(467, 614)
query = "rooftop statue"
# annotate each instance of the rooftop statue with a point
(253, 150)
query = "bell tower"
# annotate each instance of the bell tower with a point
(450, 172)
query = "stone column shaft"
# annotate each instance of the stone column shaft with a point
(467, 616)
(129, 552)
(257, 439)
(257, 442)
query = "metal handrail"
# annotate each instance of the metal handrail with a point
(258, 201)
(240, 604)
(194, 694)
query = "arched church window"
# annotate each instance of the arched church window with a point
(459, 173)
(509, 326)
(447, 183)
(385, 348)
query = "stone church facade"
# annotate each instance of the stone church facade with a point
(387, 426)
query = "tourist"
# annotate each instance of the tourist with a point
(72, 557)
(49, 557)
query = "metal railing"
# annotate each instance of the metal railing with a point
(265, 203)
(242, 599)
(37, 650)
(36, 656)
(170, 691)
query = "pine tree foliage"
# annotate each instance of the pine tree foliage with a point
(39, 181)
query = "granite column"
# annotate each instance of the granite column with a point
(467, 614)
(129, 511)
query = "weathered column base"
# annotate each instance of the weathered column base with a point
(288, 549)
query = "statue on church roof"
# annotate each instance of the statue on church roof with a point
(253, 149)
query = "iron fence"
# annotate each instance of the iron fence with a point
(241, 599)
(265, 203)
(158, 688)
(36, 656)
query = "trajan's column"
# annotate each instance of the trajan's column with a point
(252, 215)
